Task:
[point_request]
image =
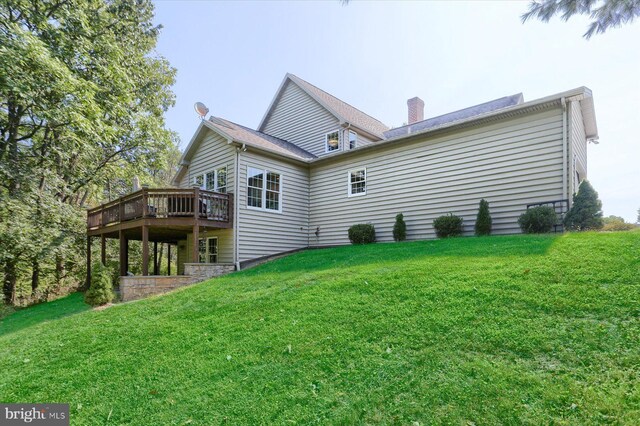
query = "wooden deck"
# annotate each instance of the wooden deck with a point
(162, 209)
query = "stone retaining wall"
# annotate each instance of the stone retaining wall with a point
(139, 287)
(204, 271)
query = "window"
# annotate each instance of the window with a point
(208, 250)
(264, 189)
(215, 180)
(357, 182)
(353, 139)
(332, 141)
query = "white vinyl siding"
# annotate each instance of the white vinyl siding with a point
(261, 232)
(299, 119)
(578, 141)
(510, 163)
(212, 154)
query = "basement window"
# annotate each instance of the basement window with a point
(208, 250)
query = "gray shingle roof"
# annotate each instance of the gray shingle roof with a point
(253, 137)
(462, 114)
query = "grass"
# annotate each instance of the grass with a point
(493, 330)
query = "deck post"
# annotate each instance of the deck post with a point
(145, 250)
(88, 284)
(195, 258)
(168, 258)
(123, 254)
(155, 258)
(103, 249)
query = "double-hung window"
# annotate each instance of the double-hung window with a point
(357, 182)
(332, 141)
(208, 250)
(264, 189)
(215, 180)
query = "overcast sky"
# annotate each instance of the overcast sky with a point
(375, 55)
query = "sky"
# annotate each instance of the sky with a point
(232, 56)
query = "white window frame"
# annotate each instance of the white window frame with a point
(206, 249)
(326, 141)
(215, 171)
(349, 183)
(264, 208)
(355, 141)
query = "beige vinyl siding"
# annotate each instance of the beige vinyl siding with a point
(225, 243)
(263, 233)
(213, 152)
(510, 163)
(578, 141)
(299, 119)
(184, 182)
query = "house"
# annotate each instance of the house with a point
(316, 165)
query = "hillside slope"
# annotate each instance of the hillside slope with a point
(519, 329)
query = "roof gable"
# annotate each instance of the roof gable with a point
(339, 109)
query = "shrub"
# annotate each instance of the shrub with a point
(538, 220)
(586, 212)
(400, 228)
(101, 290)
(483, 220)
(616, 223)
(362, 233)
(448, 225)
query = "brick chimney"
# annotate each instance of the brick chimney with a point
(416, 110)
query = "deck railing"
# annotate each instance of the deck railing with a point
(163, 203)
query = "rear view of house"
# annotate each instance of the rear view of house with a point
(316, 165)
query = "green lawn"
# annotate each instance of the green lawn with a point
(495, 330)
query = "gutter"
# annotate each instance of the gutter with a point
(236, 213)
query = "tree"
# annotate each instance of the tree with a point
(82, 99)
(605, 14)
(586, 212)
(483, 220)
(638, 218)
(400, 228)
(616, 223)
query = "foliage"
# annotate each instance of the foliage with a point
(616, 223)
(586, 212)
(332, 333)
(448, 226)
(538, 220)
(605, 14)
(101, 289)
(400, 228)
(638, 218)
(363, 233)
(82, 98)
(483, 220)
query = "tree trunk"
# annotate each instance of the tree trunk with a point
(9, 284)
(35, 276)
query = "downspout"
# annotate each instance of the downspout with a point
(563, 102)
(236, 213)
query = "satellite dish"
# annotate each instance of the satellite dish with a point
(201, 109)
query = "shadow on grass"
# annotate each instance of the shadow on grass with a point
(27, 317)
(472, 247)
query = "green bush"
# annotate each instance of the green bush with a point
(616, 223)
(448, 225)
(538, 220)
(400, 228)
(101, 290)
(483, 220)
(362, 233)
(586, 212)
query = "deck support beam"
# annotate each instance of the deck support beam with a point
(195, 258)
(155, 258)
(168, 258)
(124, 254)
(145, 250)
